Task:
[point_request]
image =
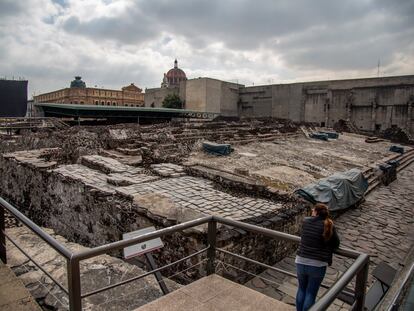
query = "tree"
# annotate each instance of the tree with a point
(172, 101)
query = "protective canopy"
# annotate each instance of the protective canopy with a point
(338, 191)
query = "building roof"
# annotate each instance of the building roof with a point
(97, 111)
(132, 87)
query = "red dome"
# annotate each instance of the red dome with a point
(175, 75)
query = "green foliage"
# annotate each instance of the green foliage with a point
(172, 101)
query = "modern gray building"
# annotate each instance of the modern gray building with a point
(372, 104)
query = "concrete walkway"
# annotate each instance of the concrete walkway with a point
(383, 227)
(13, 295)
(215, 293)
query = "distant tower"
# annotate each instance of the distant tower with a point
(174, 76)
(164, 81)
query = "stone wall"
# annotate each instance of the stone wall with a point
(154, 97)
(202, 94)
(196, 96)
(373, 104)
(93, 212)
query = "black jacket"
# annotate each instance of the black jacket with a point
(313, 245)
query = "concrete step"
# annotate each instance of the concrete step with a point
(215, 293)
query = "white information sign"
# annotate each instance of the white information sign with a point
(141, 248)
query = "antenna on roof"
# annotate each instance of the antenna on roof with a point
(378, 72)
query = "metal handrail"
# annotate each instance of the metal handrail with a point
(331, 294)
(37, 264)
(36, 229)
(103, 249)
(359, 268)
(293, 275)
(220, 250)
(97, 291)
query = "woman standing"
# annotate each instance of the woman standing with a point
(318, 241)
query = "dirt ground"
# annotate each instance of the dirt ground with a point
(293, 162)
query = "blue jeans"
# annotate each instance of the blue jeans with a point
(309, 279)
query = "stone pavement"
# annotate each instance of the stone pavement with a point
(13, 295)
(200, 195)
(382, 226)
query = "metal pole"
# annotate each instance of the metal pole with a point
(3, 253)
(74, 284)
(158, 275)
(211, 252)
(360, 287)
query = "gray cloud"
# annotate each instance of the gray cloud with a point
(132, 27)
(10, 8)
(325, 34)
(115, 43)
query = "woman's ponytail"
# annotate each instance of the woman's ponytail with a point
(327, 229)
(322, 211)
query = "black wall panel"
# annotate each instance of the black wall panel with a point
(13, 98)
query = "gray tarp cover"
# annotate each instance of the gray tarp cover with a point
(338, 191)
(217, 149)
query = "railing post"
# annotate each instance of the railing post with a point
(361, 287)
(74, 284)
(211, 252)
(3, 252)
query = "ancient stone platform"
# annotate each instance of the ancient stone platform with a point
(382, 227)
(13, 295)
(215, 293)
(291, 162)
(109, 177)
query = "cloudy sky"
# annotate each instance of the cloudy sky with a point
(112, 43)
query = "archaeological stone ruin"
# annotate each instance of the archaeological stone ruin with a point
(89, 185)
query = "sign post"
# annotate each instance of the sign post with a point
(145, 248)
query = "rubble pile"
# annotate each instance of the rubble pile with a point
(398, 135)
(149, 144)
(345, 126)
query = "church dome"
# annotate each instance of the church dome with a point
(175, 75)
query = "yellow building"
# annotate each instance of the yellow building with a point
(79, 94)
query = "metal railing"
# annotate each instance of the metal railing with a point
(359, 268)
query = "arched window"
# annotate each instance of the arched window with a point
(108, 103)
(102, 103)
(114, 104)
(96, 102)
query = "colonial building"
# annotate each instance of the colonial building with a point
(78, 93)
